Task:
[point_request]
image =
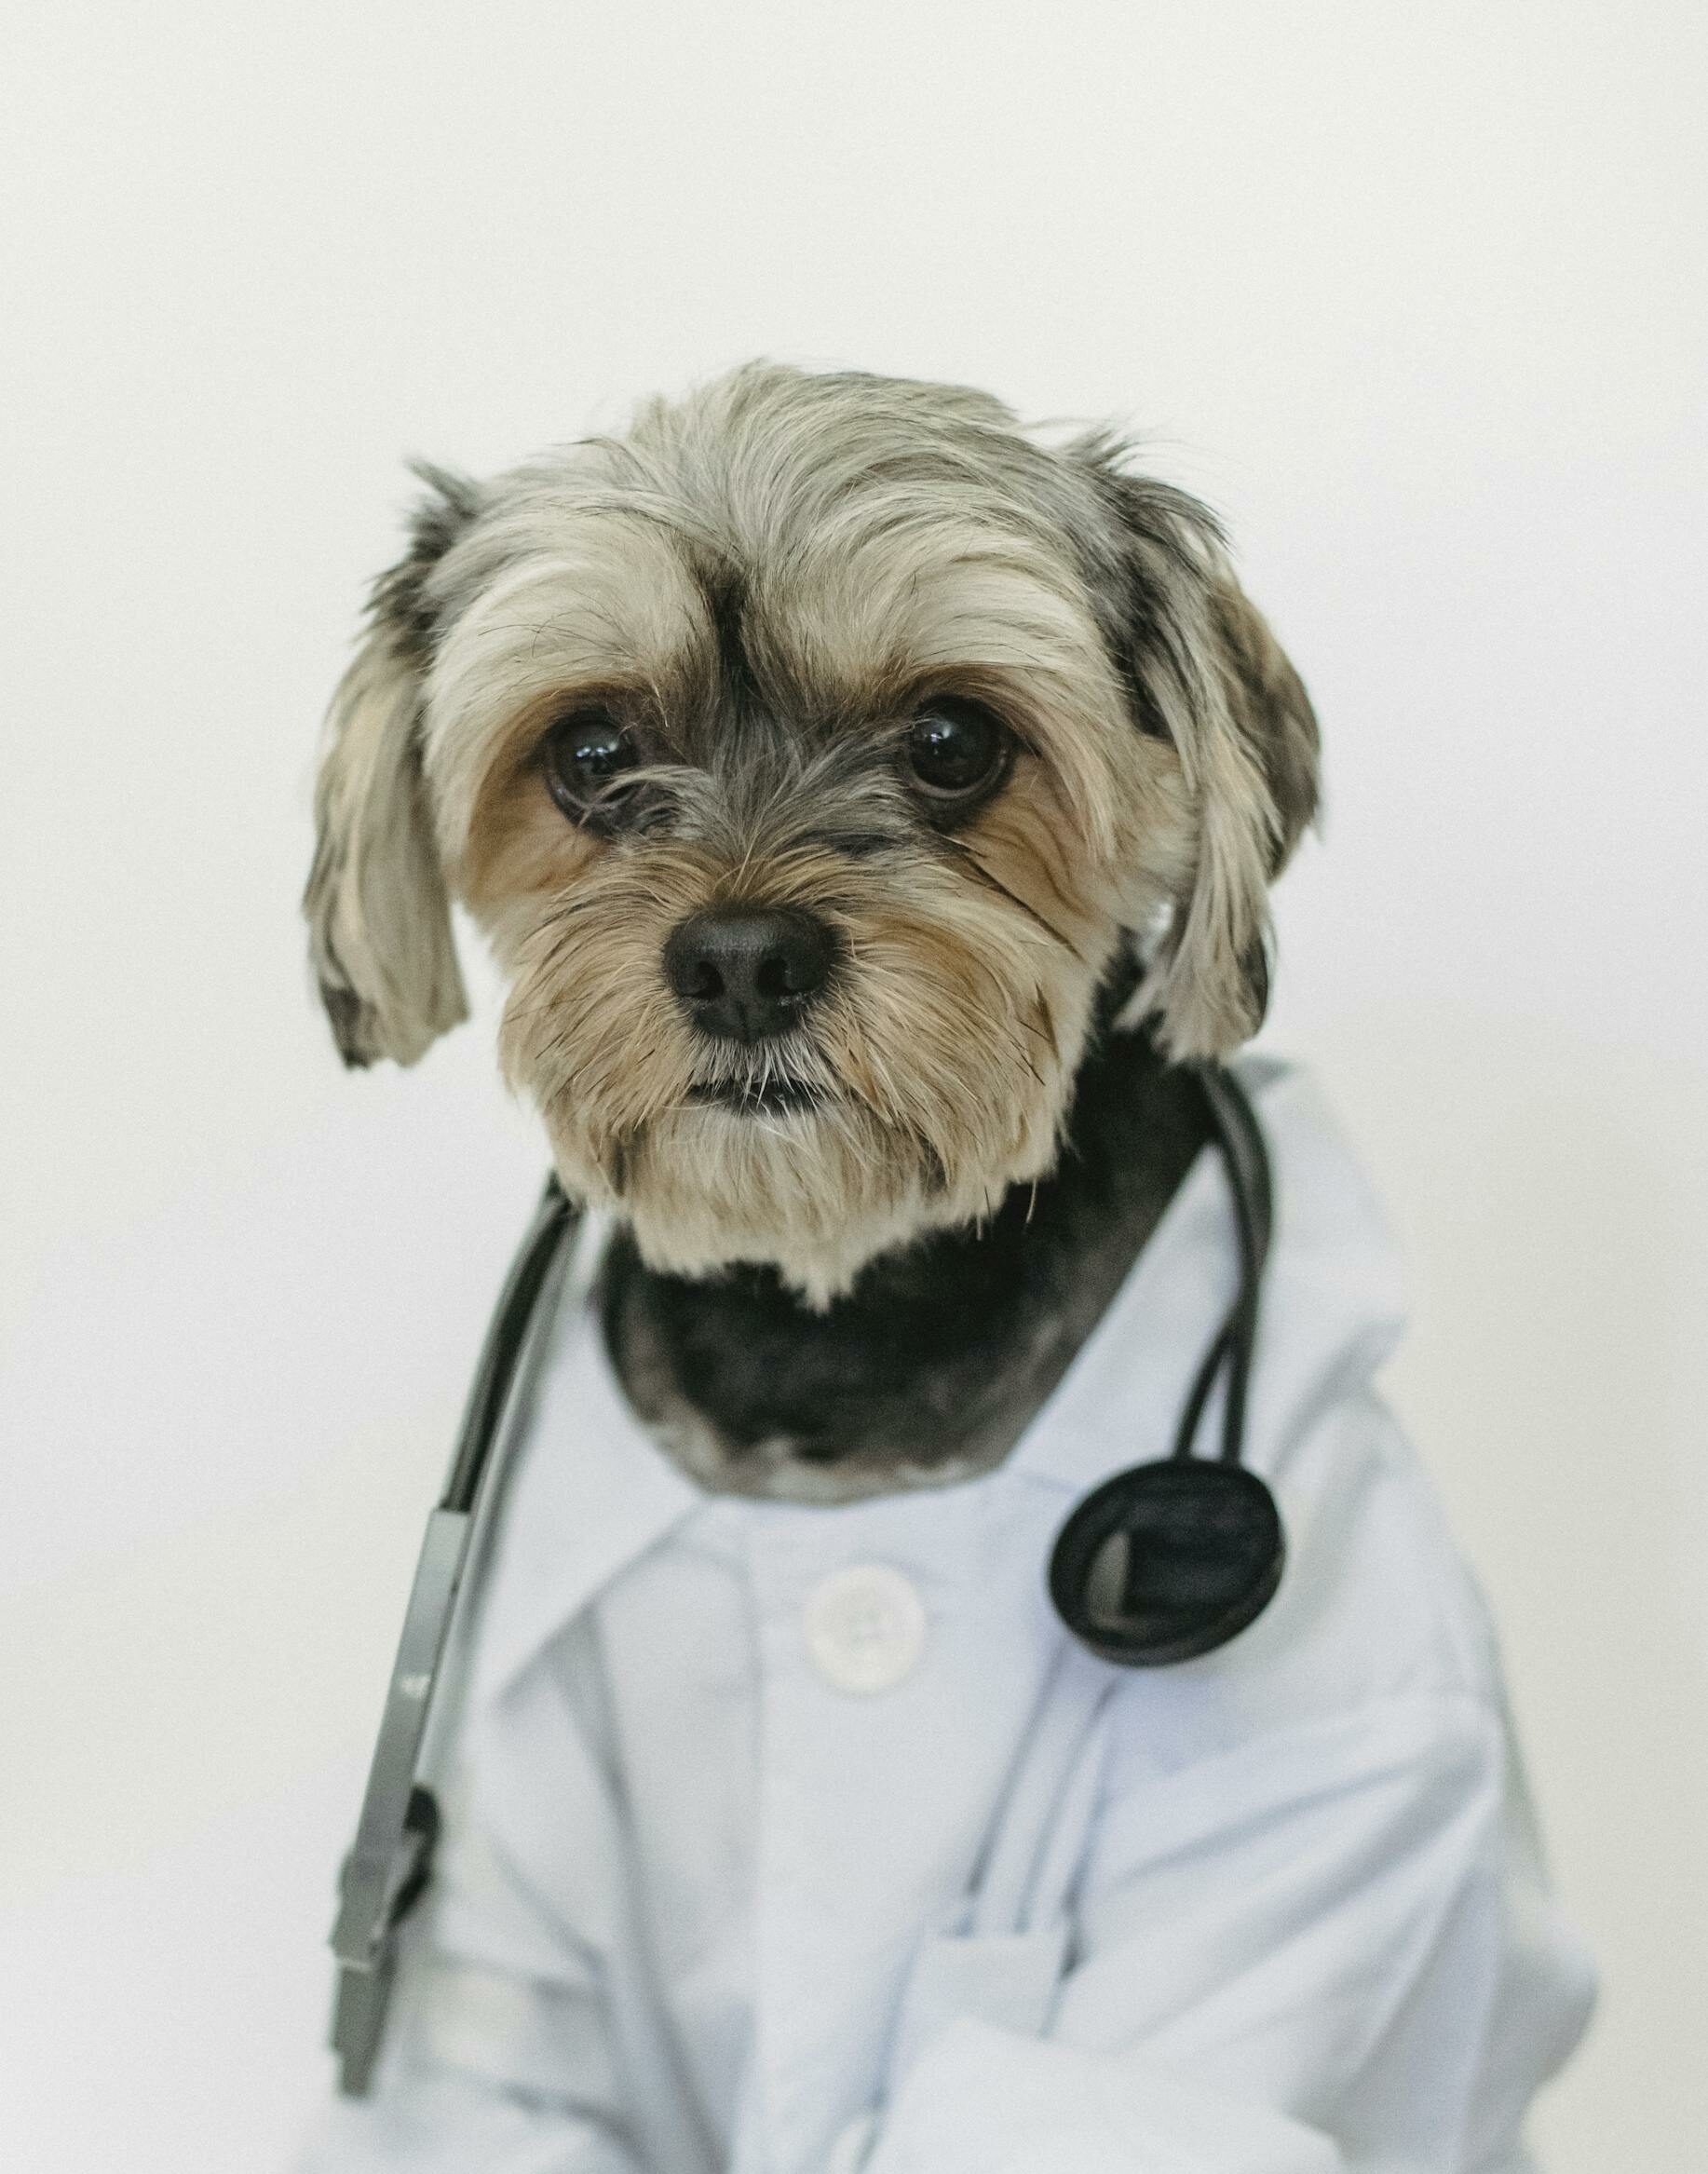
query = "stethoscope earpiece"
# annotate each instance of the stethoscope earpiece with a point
(1168, 1561)
(1171, 1559)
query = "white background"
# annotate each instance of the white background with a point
(1413, 294)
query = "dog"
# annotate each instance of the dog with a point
(820, 759)
(870, 804)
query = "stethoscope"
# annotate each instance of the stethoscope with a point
(1164, 1562)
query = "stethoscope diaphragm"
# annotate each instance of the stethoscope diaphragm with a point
(1166, 1561)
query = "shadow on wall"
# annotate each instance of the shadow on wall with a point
(1550, 1194)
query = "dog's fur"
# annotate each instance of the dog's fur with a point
(766, 582)
(930, 1367)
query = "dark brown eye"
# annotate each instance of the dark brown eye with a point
(583, 753)
(957, 749)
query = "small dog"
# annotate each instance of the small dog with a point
(870, 806)
(830, 763)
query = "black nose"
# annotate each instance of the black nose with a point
(744, 972)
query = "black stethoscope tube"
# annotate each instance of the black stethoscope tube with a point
(512, 1318)
(1166, 1561)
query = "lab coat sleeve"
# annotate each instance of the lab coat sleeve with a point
(497, 2055)
(1323, 1950)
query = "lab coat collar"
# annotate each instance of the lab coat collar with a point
(592, 1491)
(589, 1493)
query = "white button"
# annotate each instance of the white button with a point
(865, 1627)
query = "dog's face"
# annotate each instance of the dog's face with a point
(807, 757)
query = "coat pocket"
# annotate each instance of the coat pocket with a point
(1009, 1979)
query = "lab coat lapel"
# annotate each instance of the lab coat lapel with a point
(588, 1492)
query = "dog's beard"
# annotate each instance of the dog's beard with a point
(932, 1075)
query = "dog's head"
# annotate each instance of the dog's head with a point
(807, 756)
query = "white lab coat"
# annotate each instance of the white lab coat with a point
(787, 1838)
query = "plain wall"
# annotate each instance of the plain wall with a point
(1414, 295)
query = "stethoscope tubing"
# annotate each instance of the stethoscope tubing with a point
(390, 1862)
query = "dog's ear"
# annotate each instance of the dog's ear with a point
(379, 915)
(1205, 671)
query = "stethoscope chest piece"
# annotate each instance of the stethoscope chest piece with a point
(1168, 1561)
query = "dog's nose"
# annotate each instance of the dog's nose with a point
(744, 972)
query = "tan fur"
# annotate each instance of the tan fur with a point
(378, 912)
(891, 542)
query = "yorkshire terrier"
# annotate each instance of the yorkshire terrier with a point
(871, 804)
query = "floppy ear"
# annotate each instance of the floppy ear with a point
(379, 915)
(1207, 674)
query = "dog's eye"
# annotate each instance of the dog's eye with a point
(583, 753)
(955, 748)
